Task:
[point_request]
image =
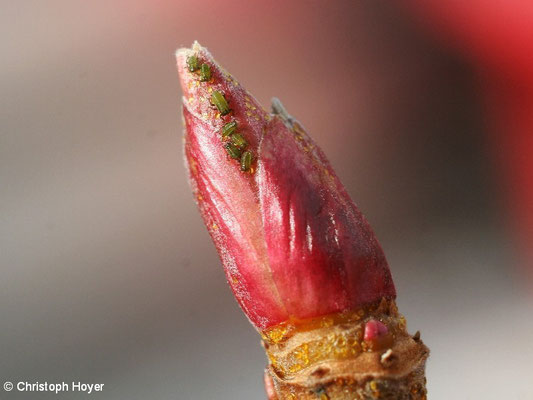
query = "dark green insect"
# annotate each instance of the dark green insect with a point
(246, 161)
(238, 141)
(220, 102)
(205, 72)
(233, 151)
(192, 63)
(229, 128)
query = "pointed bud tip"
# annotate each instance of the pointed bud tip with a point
(186, 51)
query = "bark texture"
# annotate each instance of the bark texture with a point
(328, 358)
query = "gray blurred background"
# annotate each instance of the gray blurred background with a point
(108, 275)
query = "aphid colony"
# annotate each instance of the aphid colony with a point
(235, 143)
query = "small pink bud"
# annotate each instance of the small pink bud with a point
(292, 242)
(374, 330)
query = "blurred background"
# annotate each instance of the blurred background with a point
(108, 274)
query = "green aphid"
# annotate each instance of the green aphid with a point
(205, 72)
(229, 129)
(246, 161)
(220, 102)
(192, 63)
(234, 152)
(238, 141)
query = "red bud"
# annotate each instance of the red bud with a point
(292, 242)
(375, 329)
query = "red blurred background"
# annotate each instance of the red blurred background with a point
(495, 37)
